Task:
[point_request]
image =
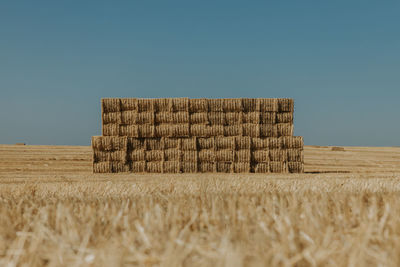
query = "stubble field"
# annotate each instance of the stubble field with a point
(344, 211)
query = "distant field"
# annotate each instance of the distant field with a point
(344, 211)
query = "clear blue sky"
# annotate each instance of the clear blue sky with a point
(339, 60)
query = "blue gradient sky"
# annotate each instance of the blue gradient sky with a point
(339, 60)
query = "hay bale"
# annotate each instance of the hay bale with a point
(277, 167)
(205, 143)
(136, 155)
(129, 130)
(145, 105)
(189, 143)
(154, 144)
(102, 167)
(225, 155)
(172, 154)
(189, 167)
(180, 104)
(189, 156)
(110, 129)
(277, 155)
(268, 117)
(252, 117)
(129, 117)
(171, 142)
(172, 117)
(206, 155)
(163, 105)
(216, 118)
(138, 166)
(215, 105)
(146, 117)
(260, 155)
(262, 167)
(268, 130)
(154, 155)
(249, 104)
(284, 117)
(129, 104)
(242, 142)
(233, 118)
(224, 142)
(268, 104)
(241, 167)
(260, 143)
(206, 166)
(146, 130)
(163, 130)
(295, 167)
(216, 130)
(198, 105)
(171, 167)
(292, 142)
(243, 155)
(232, 130)
(154, 167)
(232, 105)
(109, 143)
(110, 105)
(136, 143)
(180, 130)
(120, 167)
(118, 155)
(285, 105)
(199, 130)
(275, 143)
(225, 167)
(111, 117)
(295, 155)
(251, 129)
(285, 129)
(199, 118)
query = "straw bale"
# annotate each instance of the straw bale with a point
(163, 104)
(249, 104)
(111, 117)
(232, 105)
(189, 156)
(145, 117)
(232, 130)
(189, 167)
(225, 142)
(295, 155)
(215, 105)
(262, 167)
(120, 167)
(154, 155)
(285, 105)
(154, 144)
(146, 130)
(129, 117)
(206, 143)
(206, 166)
(102, 167)
(172, 117)
(251, 117)
(118, 155)
(199, 130)
(109, 143)
(277, 167)
(268, 104)
(284, 117)
(171, 167)
(292, 141)
(138, 166)
(216, 118)
(295, 167)
(110, 105)
(268, 130)
(199, 118)
(233, 118)
(129, 104)
(242, 142)
(275, 143)
(189, 143)
(154, 167)
(136, 155)
(277, 155)
(110, 129)
(285, 129)
(181, 130)
(260, 143)
(172, 130)
(243, 155)
(206, 155)
(216, 130)
(268, 117)
(136, 143)
(131, 130)
(145, 105)
(198, 105)
(225, 155)
(260, 155)
(251, 129)
(241, 167)
(180, 104)
(171, 142)
(172, 154)
(163, 130)
(224, 167)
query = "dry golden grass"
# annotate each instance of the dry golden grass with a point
(54, 212)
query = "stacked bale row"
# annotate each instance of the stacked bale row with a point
(197, 154)
(197, 135)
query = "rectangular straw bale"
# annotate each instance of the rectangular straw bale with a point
(274, 142)
(172, 117)
(110, 105)
(292, 141)
(251, 129)
(249, 104)
(251, 117)
(163, 105)
(180, 130)
(118, 155)
(243, 155)
(285, 129)
(206, 166)
(102, 167)
(224, 167)
(136, 155)
(145, 105)
(225, 155)
(295, 155)
(136, 143)
(189, 167)
(120, 167)
(199, 118)
(110, 129)
(154, 167)
(154, 155)
(284, 117)
(241, 167)
(232, 105)
(260, 155)
(180, 104)
(199, 130)
(216, 130)
(225, 142)
(277, 167)
(295, 167)
(215, 105)
(233, 118)
(109, 143)
(163, 130)
(198, 105)
(130, 130)
(172, 154)
(260, 143)
(129, 117)
(146, 117)
(189, 143)
(268, 104)
(216, 118)
(129, 104)
(171, 167)
(171, 142)
(268, 130)
(146, 130)
(285, 105)
(154, 144)
(111, 117)
(189, 156)
(268, 117)
(262, 167)
(206, 143)
(206, 155)
(242, 142)
(138, 166)
(277, 155)
(232, 130)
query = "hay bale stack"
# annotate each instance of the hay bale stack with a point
(173, 135)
